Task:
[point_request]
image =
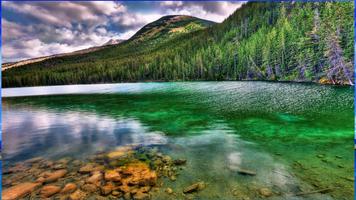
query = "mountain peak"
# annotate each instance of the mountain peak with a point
(170, 26)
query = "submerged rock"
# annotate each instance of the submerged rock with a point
(141, 196)
(169, 190)
(194, 187)
(120, 152)
(49, 190)
(246, 172)
(69, 188)
(112, 175)
(54, 176)
(265, 192)
(139, 174)
(180, 161)
(19, 191)
(107, 189)
(91, 188)
(87, 168)
(78, 195)
(95, 178)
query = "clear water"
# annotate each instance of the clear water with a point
(278, 130)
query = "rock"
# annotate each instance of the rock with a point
(40, 180)
(127, 196)
(69, 188)
(34, 160)
(120, 152)
(172, 178)
(107, 189)
(59, 166)
(95, 178)
(320, 156)
(78, 195)
(87, 168)
(194, 188)
(77, 162)
(144, 189)
(246, 172)
(54, 176)
(117, 194)
(140, 174)
(89, 188)
(141, 196)
(112, 175)
(124, 188)
(19, 191)
(169, 190)
(166, 159)
(49, 190)
(180, 161)
(265, 192)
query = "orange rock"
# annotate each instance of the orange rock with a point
(78, 195)
(89, 188)
(54, 176)
(49, 190)
(140, 173)
(112, 175)
(107, 189)
(87, 168)
(19, 191)
(125, 188)
(95, 178)
(69, 188)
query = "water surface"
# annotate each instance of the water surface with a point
(296, 137)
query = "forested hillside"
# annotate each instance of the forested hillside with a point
(260, 41)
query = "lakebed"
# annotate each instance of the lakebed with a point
(197, 140)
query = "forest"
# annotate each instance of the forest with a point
(288, 41)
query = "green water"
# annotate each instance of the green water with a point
(296, 137)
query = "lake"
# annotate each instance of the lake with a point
(296, 139)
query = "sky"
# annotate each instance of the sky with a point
(34, 29)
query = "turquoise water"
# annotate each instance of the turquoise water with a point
(296, 137)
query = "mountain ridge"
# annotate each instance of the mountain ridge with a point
(163, 21)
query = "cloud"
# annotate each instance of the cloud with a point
(59, 27)
(214, 11)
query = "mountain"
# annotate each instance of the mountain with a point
(170, 26)
(288, 41)
(113, 42)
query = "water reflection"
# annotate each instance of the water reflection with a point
(31, 132)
